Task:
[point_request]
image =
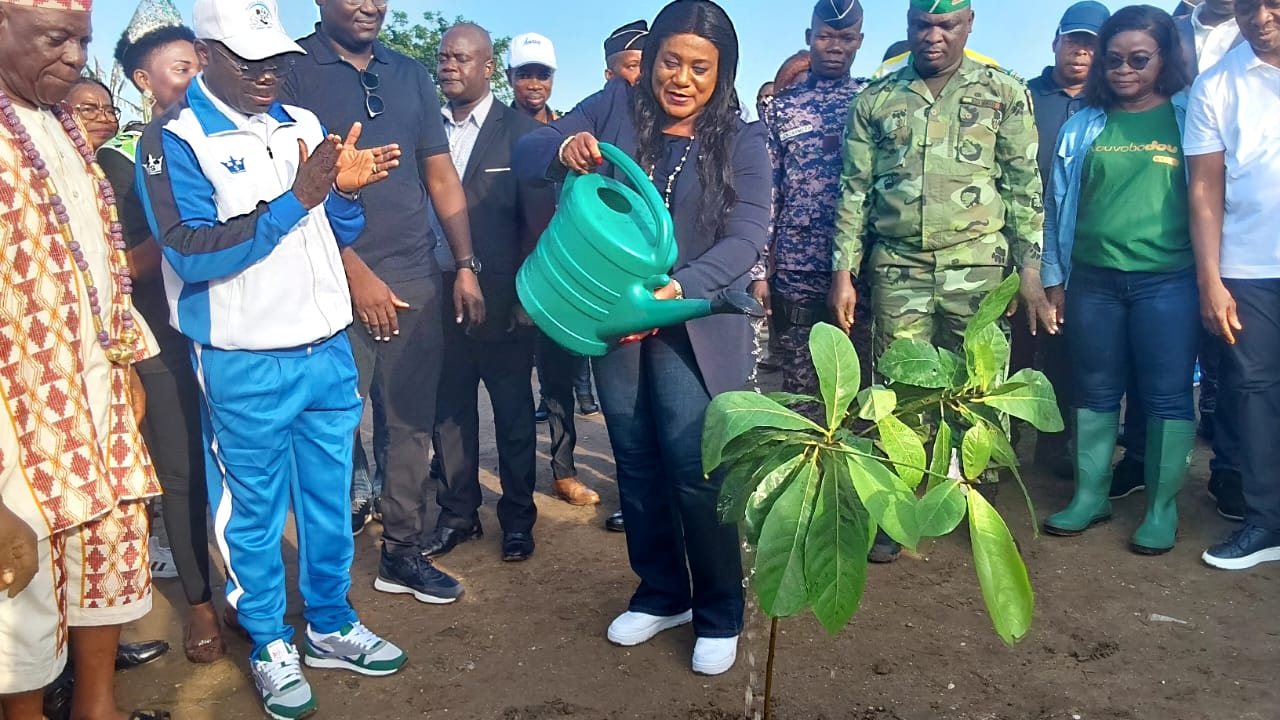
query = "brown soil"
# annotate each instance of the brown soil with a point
(527, 641)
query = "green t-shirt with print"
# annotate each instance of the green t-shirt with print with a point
(1133, 199)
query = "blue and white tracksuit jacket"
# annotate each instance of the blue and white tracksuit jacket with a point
(255, 280)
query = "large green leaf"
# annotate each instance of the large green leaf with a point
(876, 403)
(890, 502)
(752, 471)
(941, 509)
(975, 450)
(835, 552)
(1032, 399)
(904, 448)
(913, 362)
(760, 501)
(1006, 588)
(993, 307)
(839, 374)
(752, 441)
(779, 577)
(734, 413)
(940, 464)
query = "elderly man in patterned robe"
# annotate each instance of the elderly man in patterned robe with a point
(73, 469)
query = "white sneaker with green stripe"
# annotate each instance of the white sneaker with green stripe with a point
(277, 672)
(355, 648)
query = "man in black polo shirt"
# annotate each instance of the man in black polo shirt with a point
(347, 77)
(1058, 94)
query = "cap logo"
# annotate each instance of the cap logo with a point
(260, 17)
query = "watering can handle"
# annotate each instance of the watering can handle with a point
(644, 186)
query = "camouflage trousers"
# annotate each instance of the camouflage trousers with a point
(912, 297)
(809, 289)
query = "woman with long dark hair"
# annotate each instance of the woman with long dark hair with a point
(1118, 230)
(157, 52)
(681, 124)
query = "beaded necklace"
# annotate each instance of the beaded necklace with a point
(671, 179)
(120, 351)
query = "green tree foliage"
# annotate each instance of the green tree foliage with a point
(421, 41)
(811, 495)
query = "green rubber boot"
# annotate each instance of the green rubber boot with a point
(1095, 444)
(1169, 447)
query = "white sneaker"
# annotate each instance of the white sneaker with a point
(713, 656)
(161, 560)
(633, 628)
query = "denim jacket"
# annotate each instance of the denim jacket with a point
(1063, 198)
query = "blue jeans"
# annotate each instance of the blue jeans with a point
(1132, 324)
(366, 485)
(654, 402)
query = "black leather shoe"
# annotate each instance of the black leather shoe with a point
(1128, 477)
(615, 523)
(445, 539)
(131, 655)
(884, 549)
(541, 414)
(1227, 490)
(517, 546)
(587, 405)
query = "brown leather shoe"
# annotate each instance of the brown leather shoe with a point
(572, 491)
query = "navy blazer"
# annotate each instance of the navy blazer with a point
(706, 265)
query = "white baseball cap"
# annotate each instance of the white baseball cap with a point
(249, 28)
(531, 49)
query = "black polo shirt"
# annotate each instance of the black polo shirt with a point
(397, 242)
(1053, 108)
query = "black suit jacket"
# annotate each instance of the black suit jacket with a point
(707, 264)
(507, 216)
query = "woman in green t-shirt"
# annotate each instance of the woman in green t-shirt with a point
(1118, 229)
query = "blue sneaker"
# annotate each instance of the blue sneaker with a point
(1249, 546)
(286, 694)
(353, 648)
(410, 573)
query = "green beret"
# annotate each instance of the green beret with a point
(940, 7)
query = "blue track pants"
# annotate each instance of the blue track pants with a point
(278, 428)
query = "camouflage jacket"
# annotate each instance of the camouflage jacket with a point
(806, 124)
(940, 175)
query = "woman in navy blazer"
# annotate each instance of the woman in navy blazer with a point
(681, 123)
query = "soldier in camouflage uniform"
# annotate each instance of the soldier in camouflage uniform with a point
(940, 192)
(805, 126)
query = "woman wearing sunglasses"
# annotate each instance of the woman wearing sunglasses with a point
(1118, 257)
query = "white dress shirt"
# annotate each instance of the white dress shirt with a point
(462, 141)
(1233, 110)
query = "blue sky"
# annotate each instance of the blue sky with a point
(1018, 33)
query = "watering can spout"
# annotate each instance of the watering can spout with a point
(649, 312)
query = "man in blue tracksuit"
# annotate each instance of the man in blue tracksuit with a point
(251, 201)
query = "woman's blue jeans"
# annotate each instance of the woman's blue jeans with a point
(654, 402)
(1134, 324)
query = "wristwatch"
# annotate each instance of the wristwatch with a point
(471, 263)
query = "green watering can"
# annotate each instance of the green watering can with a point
(590, 281)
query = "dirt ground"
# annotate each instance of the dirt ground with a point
(1116, 636)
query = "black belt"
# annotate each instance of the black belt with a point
(789, 313)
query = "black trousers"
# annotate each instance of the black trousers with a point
(407, 370)
(172, 432)
(504, 368)
(1250, 387)
(557, 373)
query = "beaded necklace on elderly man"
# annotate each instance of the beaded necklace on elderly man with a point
(120, 351)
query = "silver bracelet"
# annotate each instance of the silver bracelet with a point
(563, 145)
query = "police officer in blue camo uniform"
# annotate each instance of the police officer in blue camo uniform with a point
(806, 123)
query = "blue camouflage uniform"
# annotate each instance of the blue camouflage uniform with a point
(806, 123)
